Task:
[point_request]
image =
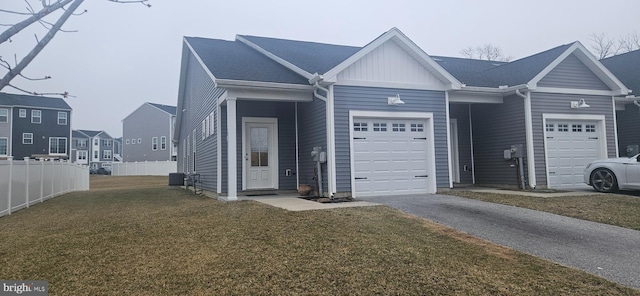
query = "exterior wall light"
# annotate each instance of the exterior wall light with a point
(394, 101)
(579, 104)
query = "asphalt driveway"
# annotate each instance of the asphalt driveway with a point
(608, 251)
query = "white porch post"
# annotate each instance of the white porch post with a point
(232, 152)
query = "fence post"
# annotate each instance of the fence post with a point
(41, 180)
(26, 179)
(53, 177)
(10, 159)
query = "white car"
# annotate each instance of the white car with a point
(610, 175)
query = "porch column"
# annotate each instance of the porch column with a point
(232, 152)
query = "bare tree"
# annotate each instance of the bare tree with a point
(487, 52)
(68, 6)
(630, 42)
(604, 46)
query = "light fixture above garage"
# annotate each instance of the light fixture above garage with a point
(394, 101)
(579, 104)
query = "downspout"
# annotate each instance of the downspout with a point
(531, 169)
(329, 127)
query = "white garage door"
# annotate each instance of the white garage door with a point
(390, 156)
(571, 145)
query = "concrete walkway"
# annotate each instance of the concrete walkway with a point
(294, 203)
(608, 251)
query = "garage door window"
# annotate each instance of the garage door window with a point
(398, 127)
(417, 127)
(360, 126)
(576, 127)
(590, 128)
(379, 127)
(563, 127)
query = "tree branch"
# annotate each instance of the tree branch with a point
(46, 10)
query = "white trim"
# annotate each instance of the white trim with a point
(232, 153)
(386, 84)
(275, 95)
(575, 91)
(528, 123)
(297, 147)
(455, 157)
(274, 57)
(428, 116)
(195, 54)
(231, 83)
(274, 160)
(473, 161)
(602, 133)
(331, 143)
(219, 149)
(615, 126)
(448, 120)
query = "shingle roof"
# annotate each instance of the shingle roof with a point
(7, 99)
(92, 134)
(234, 60)
(78, 134)
(166, 108)
(312, 57)
(466, 70)
(626, 67)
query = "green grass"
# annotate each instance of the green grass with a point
(613, 209)
(166, 241)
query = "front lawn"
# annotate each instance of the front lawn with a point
(156, 240)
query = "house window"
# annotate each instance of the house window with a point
(4, 115)
(214, 116)
(590, 128)
(96, 142)
(81, 143)
(577, 128)
(62, 118)
(107, 143)
(398, 127)
(154, 143)
(57, 145)
(126, 141)
(379, 127)
(22, 113)
(360, 126)
(133, 141)
(204, 128)
(82, 155)
(163, 143)
(36, 116)
(106, 154)
(563, 127)
(193, 138)
(550, 127)
(417, 127)
(139, 140)
(4, 145)
(27, 138)
(95, 154)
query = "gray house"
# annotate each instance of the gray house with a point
(93, 148)
(627, 67)
(34, 126)
(146, 133)
(389, 119)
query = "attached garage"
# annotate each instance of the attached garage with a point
(392, 156)
(570, 146)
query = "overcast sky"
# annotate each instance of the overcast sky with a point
(125, 55)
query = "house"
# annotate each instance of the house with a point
(386, 118)
(627, 68)
(147, 132)
(34, 126)
(93, 148)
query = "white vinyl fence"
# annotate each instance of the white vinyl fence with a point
(146, 168)
(28, 181)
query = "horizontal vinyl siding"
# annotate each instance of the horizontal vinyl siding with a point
(375, 99)
(628, 128)
(312, 132)
(200, 98)
(461, 113)
(495, 128)
(542, 103)
(572, 73)
(146, 123)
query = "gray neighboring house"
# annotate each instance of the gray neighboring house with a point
(98, 145)
(627, 68)
(34, 126)
(391, 119)
(146, 133)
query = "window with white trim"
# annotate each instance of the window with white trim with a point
(550, 127)
(360, 126)
(193, 138)
(590, 128)
(577, 128)
(154, 143)
(417, 127)
(379, 126)
(106, 154)
(22, 113)
(95, 154)
(82, 155)
(4, 115)
(215, 120)
(204, 128)
(62, 118)
(139, 140)
(4, 146)
(57, 145)
(27, 138)
(163, 143)
(126, 142)
(36, 116)
(81, 143)
(398, 127)
(563, 127)
(108, 143)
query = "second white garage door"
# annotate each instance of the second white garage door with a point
(571, 145)
(390, 156)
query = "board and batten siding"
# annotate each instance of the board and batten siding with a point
(495, 128)
(461, 113)
(572, 73)
(312, 132)
(548, 103)
(348, 98)
(628, 128)
(200, 99)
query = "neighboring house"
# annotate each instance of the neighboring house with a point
(98, 145)
(34, 126)
(391, 119)
(117, 149)
(147, 132)
(627, 68)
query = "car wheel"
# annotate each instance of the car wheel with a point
(604, 180)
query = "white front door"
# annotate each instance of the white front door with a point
(260, 153)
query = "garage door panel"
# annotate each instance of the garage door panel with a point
(570, 147)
